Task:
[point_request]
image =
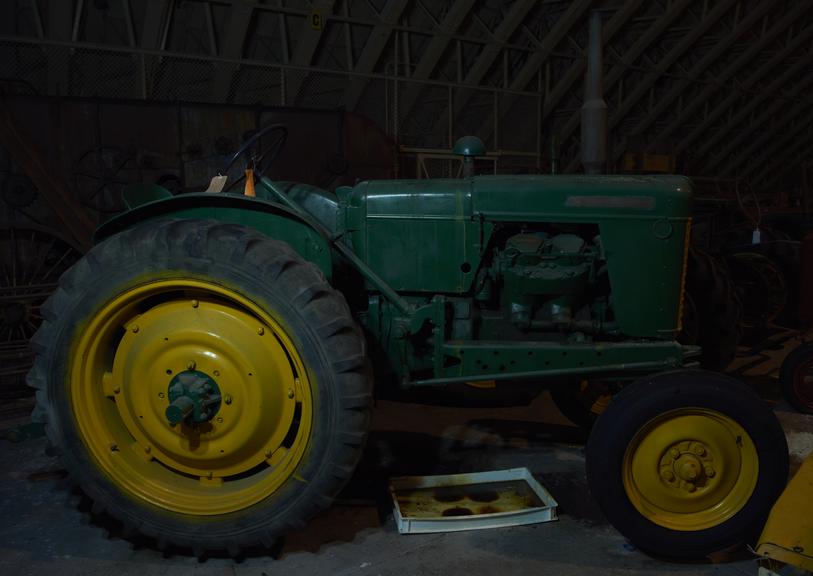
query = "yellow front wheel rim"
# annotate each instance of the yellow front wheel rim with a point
(250, 434)
(690, 469)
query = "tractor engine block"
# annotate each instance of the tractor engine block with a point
(549, 283)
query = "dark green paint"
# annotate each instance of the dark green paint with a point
(496, 277)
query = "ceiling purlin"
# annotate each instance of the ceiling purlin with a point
(778, 118)
(694, 101)
(666, 102)
(745, 85)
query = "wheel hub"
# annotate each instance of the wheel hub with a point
(194, 398)
(687, 466)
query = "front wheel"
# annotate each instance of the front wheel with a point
(687, 463)
(203, 384)
(796, 378)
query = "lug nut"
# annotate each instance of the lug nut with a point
(160, 394)
(699, 450)
(667, 475)
(674, 453)
(290, 392)
(260, 330)
(147, 449)
(268, 453)
(191, 365)
(219, 420)
(195, 303)
(690, 487)
(216, 372)
(117, 389)
(227, 398)
(710, 472)
(114, 447)
(134, 328)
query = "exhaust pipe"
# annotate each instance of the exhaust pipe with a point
(594, 109)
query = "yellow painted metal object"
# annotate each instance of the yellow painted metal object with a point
(788, 533)
(690, 469)
(252, 439)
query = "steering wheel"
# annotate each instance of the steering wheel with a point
(255, 156)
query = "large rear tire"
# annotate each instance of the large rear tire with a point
(687, 463)
(203, 384)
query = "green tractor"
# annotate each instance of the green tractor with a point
(205, 371)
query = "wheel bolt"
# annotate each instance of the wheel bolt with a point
(290, 392)
(710, 472)
(160, 394)
(227, 398)
(113, 447)
(260, 330)
(219, 420)
(195, 303)
(134, 328)
(667, 475)
(268, 453)
(674, 453)
(699, 450)
(117, 389)
(147, 449)
(191, 365)
(209, 475)
(216, 372)
(690, 487)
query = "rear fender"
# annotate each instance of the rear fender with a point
(266, 217)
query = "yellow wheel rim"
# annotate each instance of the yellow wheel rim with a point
(253, 437)
(690, 469)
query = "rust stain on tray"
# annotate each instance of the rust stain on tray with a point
(467, 500)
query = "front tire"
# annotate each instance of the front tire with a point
(687, 463)
(204, 385)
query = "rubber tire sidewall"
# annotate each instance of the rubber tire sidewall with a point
(648, 398)
(290, 505)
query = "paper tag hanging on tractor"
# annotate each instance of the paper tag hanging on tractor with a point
(249, 191)
(756, 236)
(216, 184)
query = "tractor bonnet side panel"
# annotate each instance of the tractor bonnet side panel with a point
(418, 235)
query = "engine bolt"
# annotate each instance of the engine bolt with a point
(191, 365)
(260, 330)
(290, 392)
(667, 475)
(134, 328)
(699, 450)
(195, 303)
(227, 398)
(710, 472)
(674, 453)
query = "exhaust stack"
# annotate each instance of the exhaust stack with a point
(594, 109)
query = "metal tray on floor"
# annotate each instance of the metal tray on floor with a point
(456, 502)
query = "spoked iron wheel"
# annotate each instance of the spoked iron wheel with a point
(98, 178)
(762, 287)
(205, 385)
(32, 258)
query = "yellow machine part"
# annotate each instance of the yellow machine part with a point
(788, 533)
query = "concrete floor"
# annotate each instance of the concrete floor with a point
(42, 530)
